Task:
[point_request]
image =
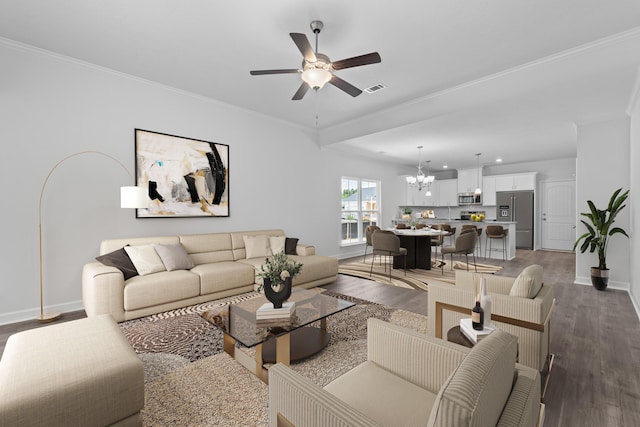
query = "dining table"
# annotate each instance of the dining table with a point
(417, 242)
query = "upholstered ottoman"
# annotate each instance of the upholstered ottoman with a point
(78, 373)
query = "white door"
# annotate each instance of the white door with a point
(558, 215)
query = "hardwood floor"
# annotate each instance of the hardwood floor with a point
(595, 336)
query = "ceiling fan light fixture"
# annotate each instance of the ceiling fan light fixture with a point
(316, 78)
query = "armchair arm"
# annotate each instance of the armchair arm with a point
(415, 357)
(305, 250)
(304, 403)
(523, 407)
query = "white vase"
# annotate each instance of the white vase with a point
(485, 301)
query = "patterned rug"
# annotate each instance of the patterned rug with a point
(190, 381)
(415, 278)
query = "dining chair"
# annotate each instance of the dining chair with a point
(367, 234)
(437, 241)
(387, 244)
(496, 232)
(451, 232)
(465, 244)
(479, 232)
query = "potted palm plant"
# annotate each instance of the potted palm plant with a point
(599, 230)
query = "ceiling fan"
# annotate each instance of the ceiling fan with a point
(317, 68)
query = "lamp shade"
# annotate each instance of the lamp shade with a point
(316, 78)
(133, 197)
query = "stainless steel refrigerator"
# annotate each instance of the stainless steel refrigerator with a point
(517, 206)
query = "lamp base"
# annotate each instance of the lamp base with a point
(48, 317)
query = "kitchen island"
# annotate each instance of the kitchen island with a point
(457, 223)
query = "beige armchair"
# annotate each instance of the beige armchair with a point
(410, 379)
(526, 316)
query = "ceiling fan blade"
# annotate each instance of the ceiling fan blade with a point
(284, 71)
(347, 87)
(357, 61)
(303, 44)
(302, 90)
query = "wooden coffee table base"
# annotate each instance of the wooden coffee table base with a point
(304, 342)
(296, 345)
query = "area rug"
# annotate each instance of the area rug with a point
(190, 381)
(414, 278)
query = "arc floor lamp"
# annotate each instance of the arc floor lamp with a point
(130, 197)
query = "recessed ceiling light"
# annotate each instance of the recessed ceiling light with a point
(499, 159)
(445, 166)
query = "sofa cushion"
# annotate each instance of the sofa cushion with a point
(314, 267)
(224, 275)
(277, 244)
(528, 283)
(257, 246)
(382, 396)
(145, 259)
(290, 246)
(174, 256)
(160, 288)
(477, 392)
(120, 260)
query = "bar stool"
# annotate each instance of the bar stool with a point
(479, 232)
(495, 232)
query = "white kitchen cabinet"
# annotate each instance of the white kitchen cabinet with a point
(468, 180)
(488, 191)
(415, 197)
(516, 182)
(447, 192)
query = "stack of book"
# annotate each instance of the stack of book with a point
(267, 312)
(474, 336)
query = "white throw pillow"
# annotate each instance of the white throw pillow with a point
(528, 283)
(257, 246)
(174, 256)
(145, 259)
(277, 244)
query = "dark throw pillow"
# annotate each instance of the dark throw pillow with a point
(120, 260)
(290, 244)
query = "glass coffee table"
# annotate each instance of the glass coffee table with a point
(276, 340)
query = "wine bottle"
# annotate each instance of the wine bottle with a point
(485, 301)
(477, 317)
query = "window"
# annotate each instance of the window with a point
(360, 208)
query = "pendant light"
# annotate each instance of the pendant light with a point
(478, 189)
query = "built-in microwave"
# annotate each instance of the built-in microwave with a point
(469, 199)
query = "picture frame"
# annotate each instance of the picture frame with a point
(185, 177)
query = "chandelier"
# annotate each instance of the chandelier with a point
(421, 180)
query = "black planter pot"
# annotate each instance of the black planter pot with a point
(599, 278)
(277, 298)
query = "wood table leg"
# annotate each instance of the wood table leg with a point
(283, 349)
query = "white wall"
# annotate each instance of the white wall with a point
(603, 166)
(52, 107)
(634, 207)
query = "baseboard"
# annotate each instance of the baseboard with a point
(635, 304)
(586, 281)
(33, 313)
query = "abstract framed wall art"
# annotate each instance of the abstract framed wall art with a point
(186, 177)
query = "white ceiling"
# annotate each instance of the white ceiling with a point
(508, 78)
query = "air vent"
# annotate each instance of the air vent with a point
(375, 88)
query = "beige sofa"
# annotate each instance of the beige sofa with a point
(78, 373)
(221, 269)
(411, 379)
